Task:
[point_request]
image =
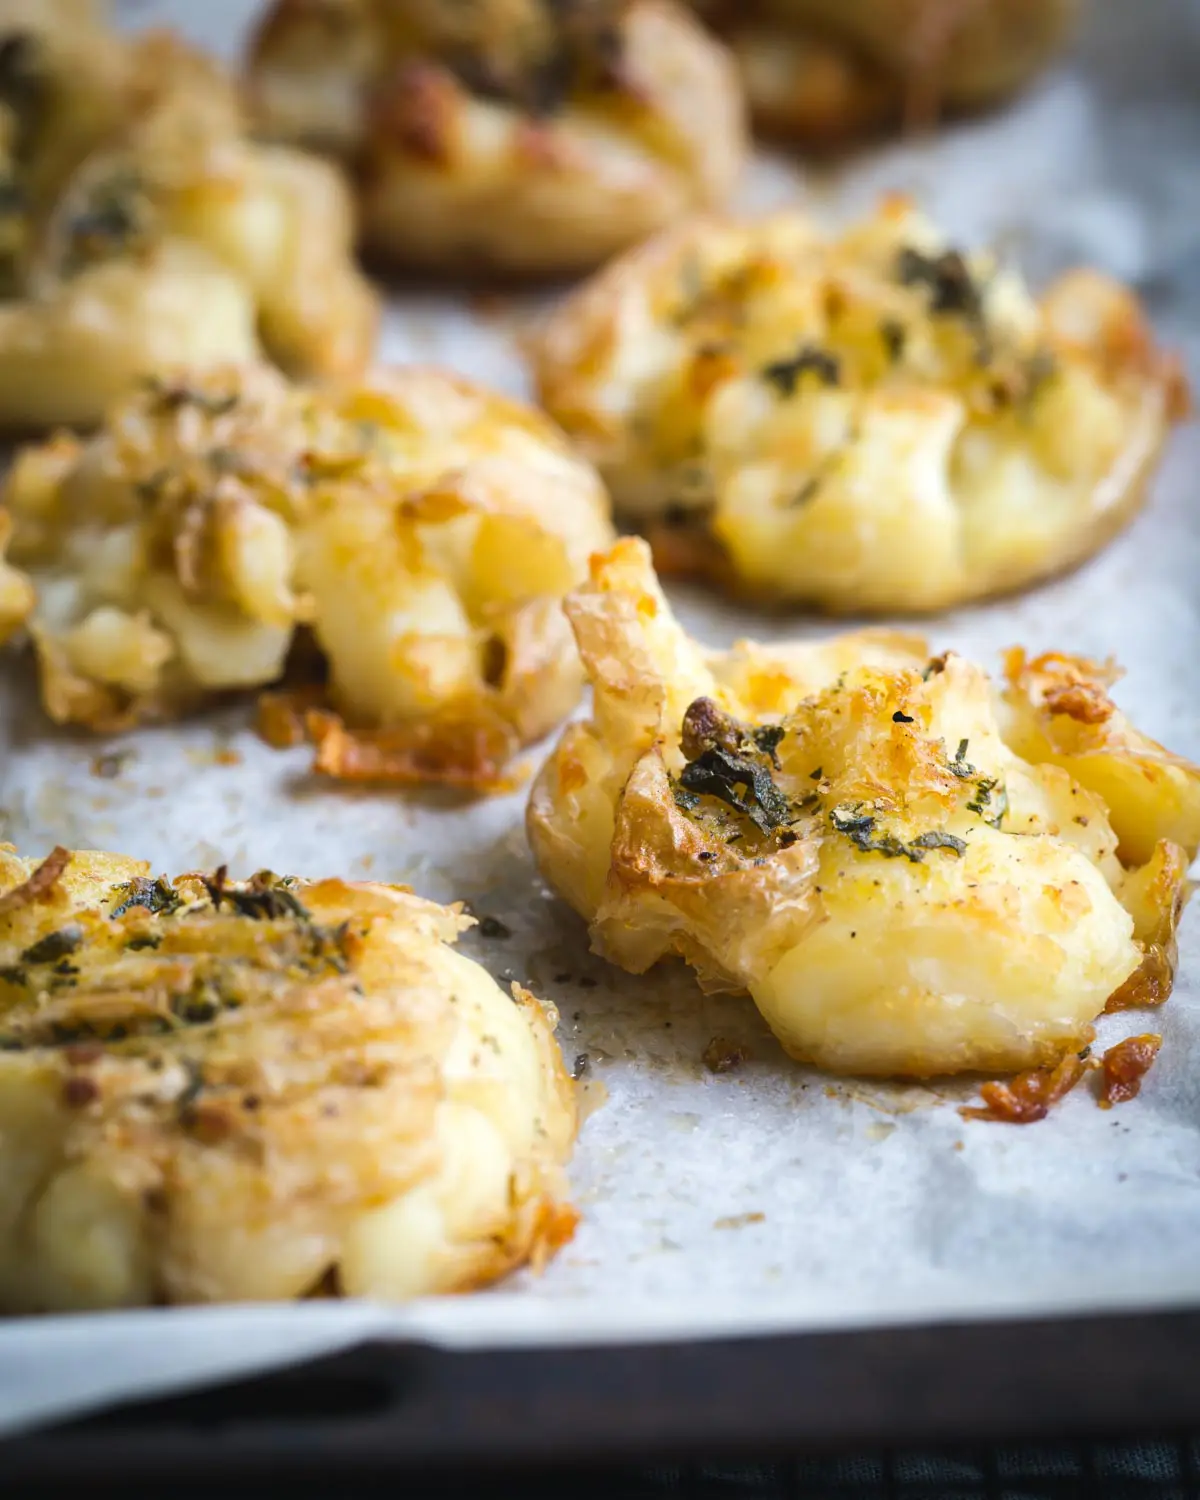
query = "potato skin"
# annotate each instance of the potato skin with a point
(824, 72)
(911, 870)
(215, 1091)
(869, 422)
(511, 139)
(146, 229)
(422, 529)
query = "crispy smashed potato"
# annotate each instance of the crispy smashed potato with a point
(826, 71)
(912, 870)
(512, 136)
(419, 530)
(139, 227)
(866, 422)
(214, 1091)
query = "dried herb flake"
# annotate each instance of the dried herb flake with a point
(859, 828)
(155, 896)
(952, 288)
(54, 945)
(738, 781)
(785, 374)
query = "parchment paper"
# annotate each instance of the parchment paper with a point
(771, 1197)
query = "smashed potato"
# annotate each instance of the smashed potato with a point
(871, 421)
(139, 227)
(825, 71)
(912, 870)
(419, 530)
(214, 1091)
(513, 136)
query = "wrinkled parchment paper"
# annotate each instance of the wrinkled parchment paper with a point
(770, 1197)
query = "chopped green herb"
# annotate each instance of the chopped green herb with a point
(261, 899)
(197, 1007)
(807, 491)
(938, 840)
(115, 216)
(685, 801)
(741, 783)
(54, 945)
(768, 738)
(173, 394)
(990, 810)
(960, 766)
(859, 828)
(895, 337)
(948, 278)
(154, 896)
(148, 490)
(785, 374)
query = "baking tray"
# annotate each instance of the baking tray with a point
(395, 1409)
(769, 1260)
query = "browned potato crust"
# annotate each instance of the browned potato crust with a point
(217, 1091)
(511, 136)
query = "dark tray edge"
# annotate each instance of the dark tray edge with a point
(397, 1406)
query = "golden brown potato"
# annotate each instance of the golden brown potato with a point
(422, 530)
(511, 136)
(912, 870)
(825, 71)
(867, 422)
(214, 1092)
(139, 226)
